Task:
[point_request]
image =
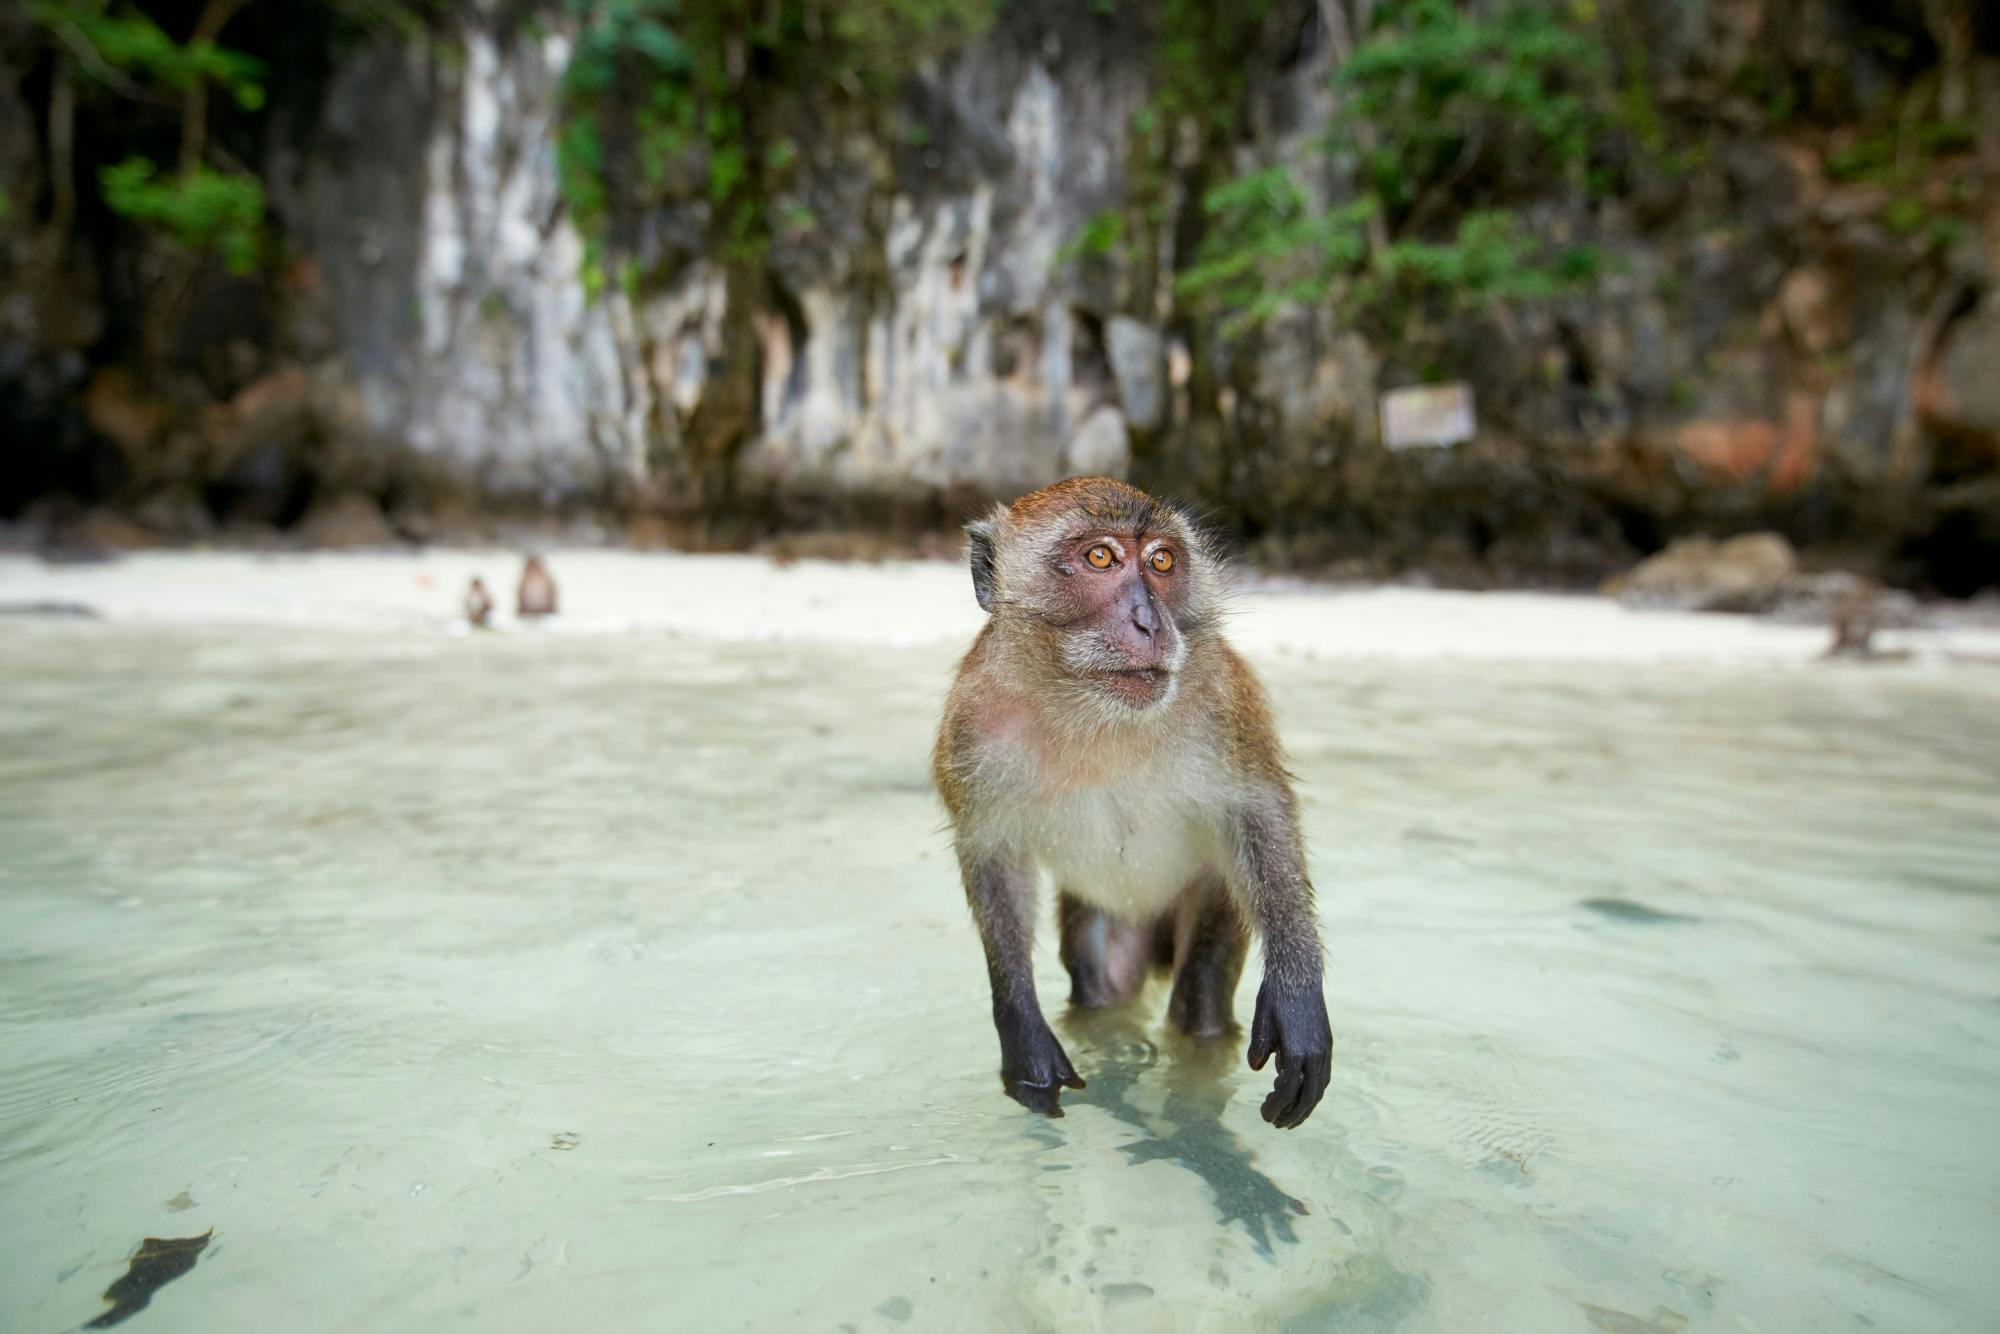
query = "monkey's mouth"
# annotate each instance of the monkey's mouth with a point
(1136, 685)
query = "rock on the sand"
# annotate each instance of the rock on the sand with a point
(349, 521)
(1746, 574)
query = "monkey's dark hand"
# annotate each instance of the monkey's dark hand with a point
(1033, 1068)
(1292, 1023)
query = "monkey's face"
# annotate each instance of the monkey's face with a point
(1117, 594)
(1097, 588)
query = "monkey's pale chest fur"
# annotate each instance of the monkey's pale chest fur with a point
(1126, 835)
(1127, 851)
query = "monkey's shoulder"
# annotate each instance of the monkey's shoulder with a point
(1243, 714)
(984, 727)
(988, 724)
(1235, 694)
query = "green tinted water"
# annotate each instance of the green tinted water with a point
(524, 983)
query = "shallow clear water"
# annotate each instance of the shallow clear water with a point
(524, 983)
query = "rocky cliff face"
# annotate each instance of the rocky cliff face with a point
(1768, 344)
(922, 336)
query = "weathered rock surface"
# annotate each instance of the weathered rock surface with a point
(346, 521)
(1745, 574)
(1761, 349)
(1965, 391)
(1100, 445)
(1139, 364)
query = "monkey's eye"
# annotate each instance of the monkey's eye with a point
(1099, 556)
(1163, 560)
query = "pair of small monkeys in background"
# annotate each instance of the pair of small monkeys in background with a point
(536, 596)
(1102, 733)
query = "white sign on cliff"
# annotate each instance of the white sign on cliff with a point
(1428, 415)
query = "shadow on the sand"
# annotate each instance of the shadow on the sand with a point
(1188, 1130)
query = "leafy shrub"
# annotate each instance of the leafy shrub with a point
(666, 101)
(1445, 111)
(127, 42)
(197, 208)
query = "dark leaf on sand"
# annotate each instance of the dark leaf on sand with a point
(160, 1260)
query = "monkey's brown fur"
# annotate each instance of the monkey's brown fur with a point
(537, 594)
(1101, 732)
(478, 604)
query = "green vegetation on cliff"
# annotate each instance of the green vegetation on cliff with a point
(671, 102)
(1701, 264)
(703, 105)
(122, 52)
(1447, 116)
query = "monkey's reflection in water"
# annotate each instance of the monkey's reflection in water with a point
(1187, 1130)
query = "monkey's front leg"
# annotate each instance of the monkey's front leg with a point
(1290, 1020)
(1033, 1067)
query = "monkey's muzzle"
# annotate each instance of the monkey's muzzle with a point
(1137, 686)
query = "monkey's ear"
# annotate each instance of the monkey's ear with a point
(979, 545)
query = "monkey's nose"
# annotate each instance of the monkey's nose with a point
(1143, 617)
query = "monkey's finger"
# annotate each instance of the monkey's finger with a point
(1294, 1116)
(1043, 1098)
(1288, 1114)
(1284, 1093)
(1061, 1072)
(1300, 1109)
(1263, 1038)
(1319, 1074)
(1318, 1071)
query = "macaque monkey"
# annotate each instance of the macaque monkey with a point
(478, 604)
(1857, 614)
(537, 594)
(1102, 733)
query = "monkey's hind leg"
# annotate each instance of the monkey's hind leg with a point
(1209, 946)
(1106, 958)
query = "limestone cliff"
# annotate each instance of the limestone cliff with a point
(1771, 337)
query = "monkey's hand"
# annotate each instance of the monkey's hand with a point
(1033, 1068)
(1291, 1021)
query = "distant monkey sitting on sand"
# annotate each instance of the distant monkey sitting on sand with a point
(478, 604)
(1857, 614)
(537, 595)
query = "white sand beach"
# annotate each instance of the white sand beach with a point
(896, 603)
